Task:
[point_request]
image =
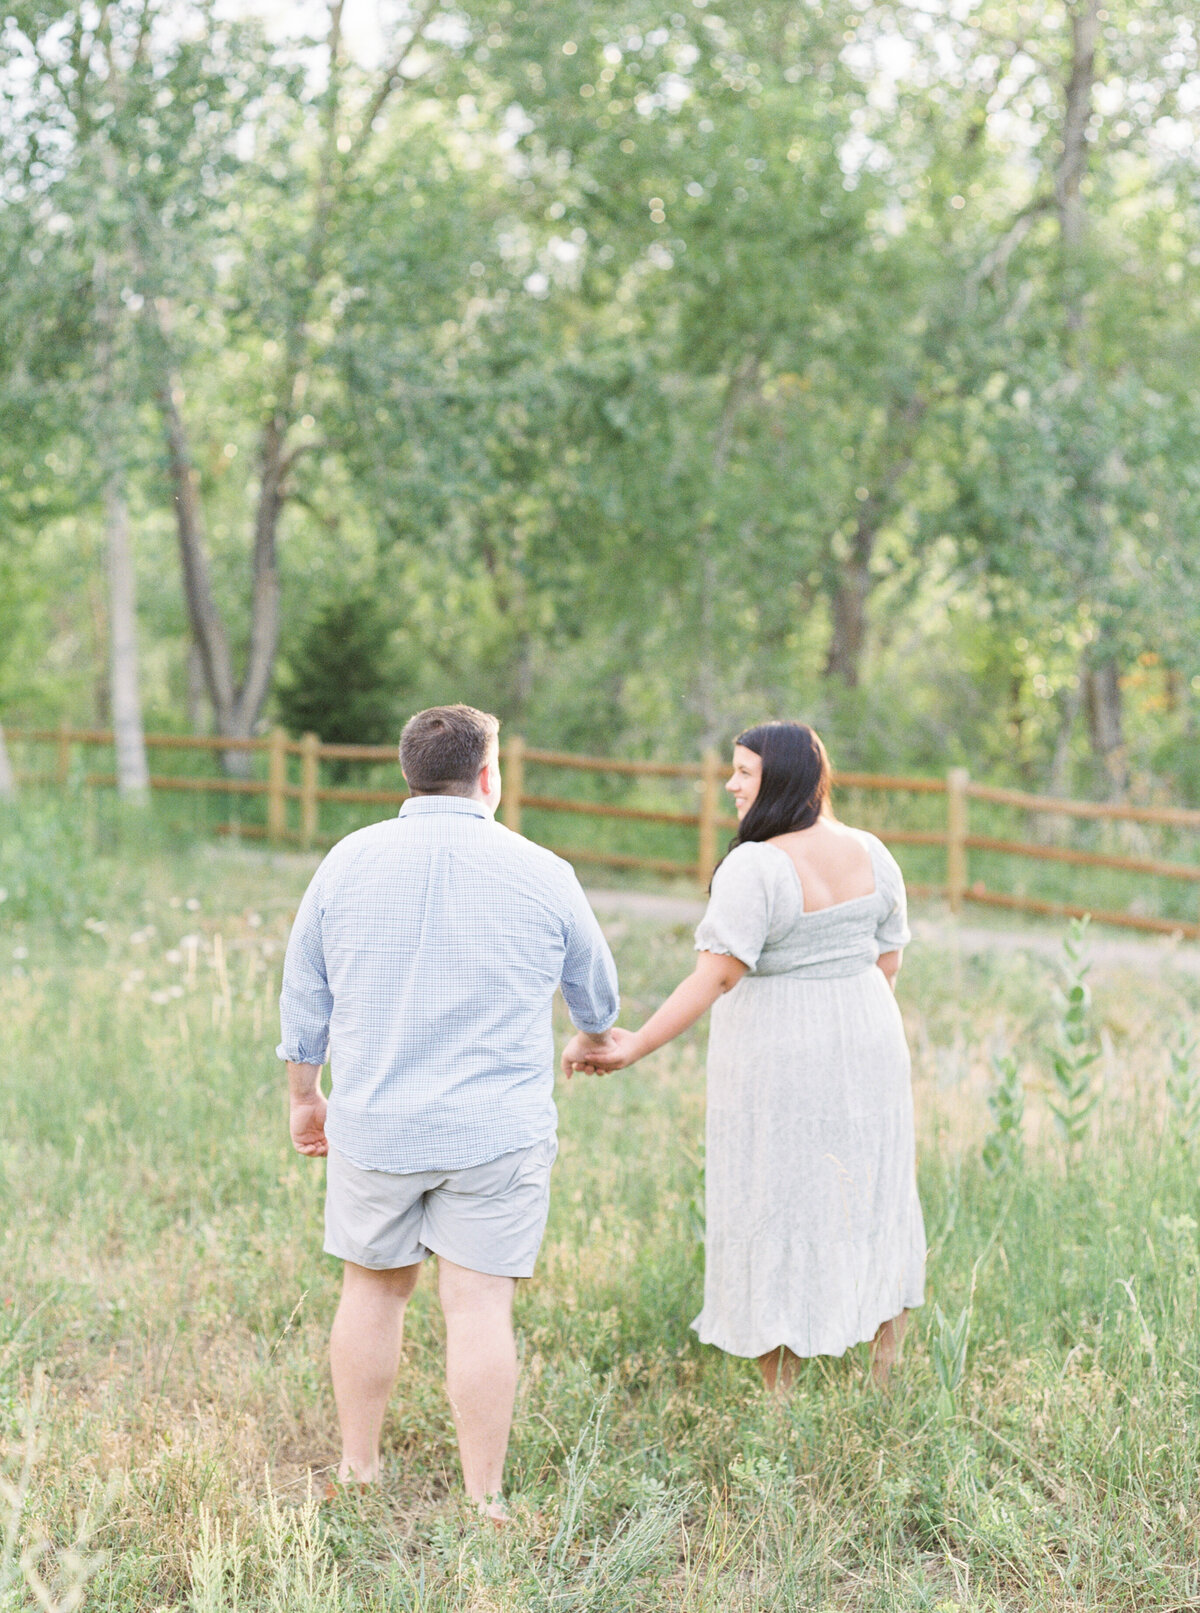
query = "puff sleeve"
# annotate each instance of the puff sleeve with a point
(892, 931)
(738, 918)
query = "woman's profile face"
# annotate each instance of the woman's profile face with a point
(745, 779)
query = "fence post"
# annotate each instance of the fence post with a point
(710, 809)
(957, 780)
(514, 783)
(310, 756)
(276, 784)
(63, 772)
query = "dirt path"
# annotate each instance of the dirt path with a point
(1151, 956)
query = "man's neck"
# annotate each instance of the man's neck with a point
(452, 795)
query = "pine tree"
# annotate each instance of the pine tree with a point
(343, 683)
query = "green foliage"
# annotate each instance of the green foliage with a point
(1004, 1146)
(344, 681)
(685, 367)
(1075, 1094)
(1183, 1087)
(948, 1352)
(169, 1252)
(58, 860)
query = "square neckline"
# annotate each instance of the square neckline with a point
(833, 907)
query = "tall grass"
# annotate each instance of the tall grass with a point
(164, 1304)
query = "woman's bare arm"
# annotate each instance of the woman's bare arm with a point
(713, 976)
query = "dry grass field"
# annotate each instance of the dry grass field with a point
(165, 1415)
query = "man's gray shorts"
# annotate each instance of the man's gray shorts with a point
(488, 1218)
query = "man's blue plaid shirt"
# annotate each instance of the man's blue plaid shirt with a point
(425, 954)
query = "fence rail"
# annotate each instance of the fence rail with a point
(708, 820)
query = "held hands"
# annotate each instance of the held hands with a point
(584, 1054)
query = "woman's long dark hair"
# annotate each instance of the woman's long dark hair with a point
(795, 780)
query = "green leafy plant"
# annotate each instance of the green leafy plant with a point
(1074, 1094)
(1183, 1087)
(948, 1353)
(1004, 1146)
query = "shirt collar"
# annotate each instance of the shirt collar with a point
(459, 805)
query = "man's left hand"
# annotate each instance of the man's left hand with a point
(307, 1124)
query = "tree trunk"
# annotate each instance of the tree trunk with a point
(110, 409)
(197, 693)
(1061, 763)
(849, 638)
(852, 590)
(237, 706)
(1068, 179)
(208, 627)
(208, 630)
(133, 775)
(264, 610)
(1052, 828)
(8, 779)
(1105, 726)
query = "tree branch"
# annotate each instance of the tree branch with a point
(208, 629)
(391, 77)
(998, 257)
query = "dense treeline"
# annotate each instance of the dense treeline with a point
(632, 371)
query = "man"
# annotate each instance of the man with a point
(427, 950)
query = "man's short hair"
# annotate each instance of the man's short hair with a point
(442, 750)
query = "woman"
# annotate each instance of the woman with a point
(814, 1238)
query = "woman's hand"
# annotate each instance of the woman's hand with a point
(582, 1056)
(715, 973)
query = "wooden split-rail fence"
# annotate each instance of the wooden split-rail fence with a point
(708, 822)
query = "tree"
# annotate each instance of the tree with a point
(343, 681)
(1062, 451)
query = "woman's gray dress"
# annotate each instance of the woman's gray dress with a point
(814, 1233)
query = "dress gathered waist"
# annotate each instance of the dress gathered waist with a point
(832, 969)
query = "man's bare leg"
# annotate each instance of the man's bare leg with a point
(364, 1354)
(481, 1375)
(779, 1368)
(885, 1348)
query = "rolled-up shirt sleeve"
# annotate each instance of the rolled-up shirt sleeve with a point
(305, 1002)
(589, 975)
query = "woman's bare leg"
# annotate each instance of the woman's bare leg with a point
(779, 1368)
(885, 1348)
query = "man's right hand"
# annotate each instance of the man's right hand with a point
(307, 1124)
